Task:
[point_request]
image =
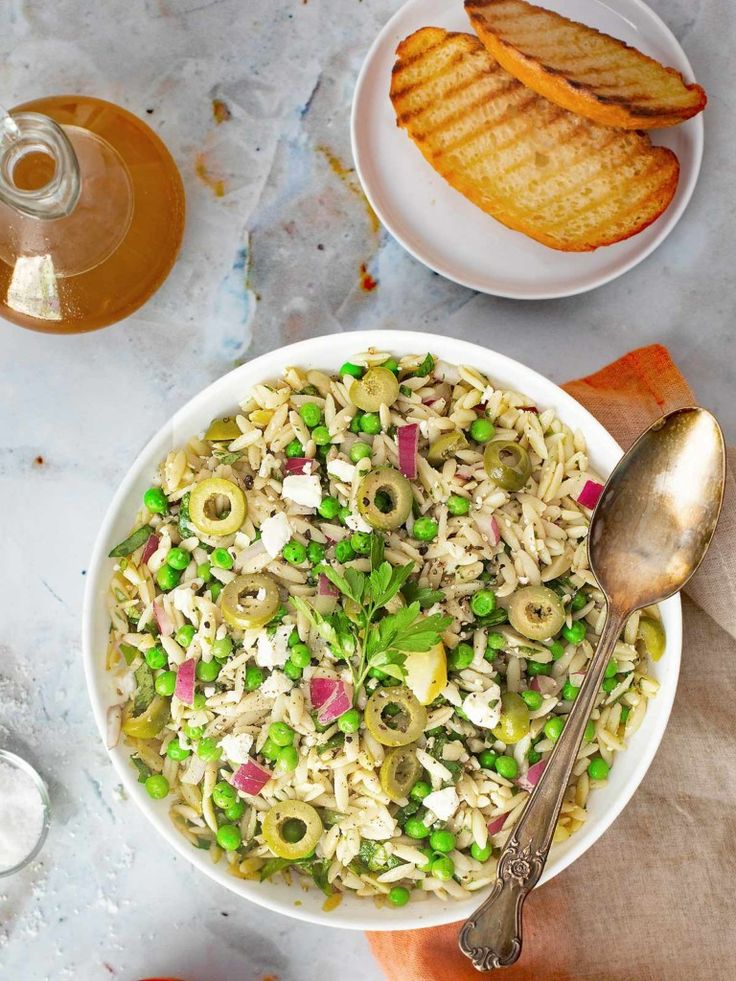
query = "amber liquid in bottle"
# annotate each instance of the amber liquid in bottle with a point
(102, 261)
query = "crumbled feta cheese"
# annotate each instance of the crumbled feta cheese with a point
(302, 489)
(442, 803)
(483, 708)
(451, 693)
(183, 600)
(237, 748)
(275, 533)
(356, 522)
(375, 822)
(424, 428)
(341, 469)
(272, 652)
(276, 684)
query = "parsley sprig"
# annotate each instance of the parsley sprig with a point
(363, 633)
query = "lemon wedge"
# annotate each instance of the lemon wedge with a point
(426, 673)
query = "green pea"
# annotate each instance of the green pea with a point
(207, 749)
(200, 701)
(344, 551)
(224, 794)
(229, 837)
(321, 435)
(420, 790)
(221, 559)
(311, 414)
(495, 642)
(253, 677)
(316, 552)
(598, 769)
(611, 669)
(294, 639)
(155, 500)
(442, 841)
(398, 896)
(556, 650)
(443, 868)
(300, 655)
(165, 683)
(222, 648)
(177, 558)
(533, 699)
(487, 759)
(533, 756)
(343, 514)
(359, 451)
(292, 671)
(294, 449)
(483, 602)
(575, 633)
(370, 423)
(270, 750)
(235, 811)
(208, 670)
(425, 529)
(534, 667)
(360, 542)
(553, 728)
(167, 578)
(215, 590)
(355, 423)
(175, 750)
(570, 691)
(579, 600)
(415, 828)
(204, 571)
(460, 658)
(481, 854)
(589, 734)
(355, 370)
(281, 734)
(185, 635)
(288, 759)
(329, 507)
(155, 657)
(609, 684)
(506, 766)
(294, 552)
(457, 505)
(349, 721)
(481, 430)
(193, 732)
(157, 786)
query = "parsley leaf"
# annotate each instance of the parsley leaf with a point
(423, 595)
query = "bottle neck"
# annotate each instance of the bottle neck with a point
(39, 173)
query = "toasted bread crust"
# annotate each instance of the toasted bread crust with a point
(601, 91)
(560, 179)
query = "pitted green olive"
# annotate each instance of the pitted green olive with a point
(507, 464)
(385, 498)
(377, 387)
(250, 601)
(404, 726)
(292, 829)
(514, 722)
(445, 446)
(536, 612)
(203, 512)
(400, 770)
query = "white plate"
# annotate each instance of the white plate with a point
(328, 353)
(441, 228)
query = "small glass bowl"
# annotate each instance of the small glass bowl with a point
(20, 764)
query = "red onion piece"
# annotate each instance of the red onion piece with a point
(497, 824)
(162, 619)
(251, 778)
(184, 689)
(529, 408)
(590, 494)
(544, 685)
(325, 587)
(408, 439)
(531, 778)
(332, 697)
(488, 527)
(298, 465)
(150, 548)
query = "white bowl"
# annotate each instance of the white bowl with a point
(329, 353)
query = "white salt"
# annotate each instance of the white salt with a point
(21, 815)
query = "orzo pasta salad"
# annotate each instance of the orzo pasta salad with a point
(351, 620)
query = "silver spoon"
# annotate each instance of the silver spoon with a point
(648, 535)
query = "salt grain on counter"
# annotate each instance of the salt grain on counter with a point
(21, 815)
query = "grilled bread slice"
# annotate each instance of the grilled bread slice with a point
(561, 179)
(581, 69)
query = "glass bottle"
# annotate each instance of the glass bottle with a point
(91, 213)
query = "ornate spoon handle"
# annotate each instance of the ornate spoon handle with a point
(492, 936)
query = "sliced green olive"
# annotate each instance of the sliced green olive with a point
(385, 498)
(377, 387)
(250, 601)
(223, 429)
(404, 721)
(292, 829)
(400, 770)
(507, 464)
(536, 612)
(651, 634)
(514, 722)
(203, 503)
(445, 446)
(149, 723)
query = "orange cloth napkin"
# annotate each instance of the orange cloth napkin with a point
(653, 899)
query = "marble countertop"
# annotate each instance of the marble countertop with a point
(277, 248)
